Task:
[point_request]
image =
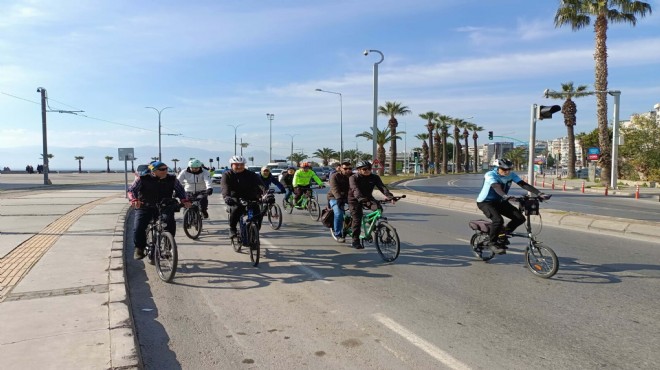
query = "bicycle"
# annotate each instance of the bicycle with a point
(375, 228)
(248, 234)
(161, 247)
(306, 201)
(540, 260)
(192, 217)
(273, 211)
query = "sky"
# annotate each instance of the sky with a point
(223, 65)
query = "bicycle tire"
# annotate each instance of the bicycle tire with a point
(287, 206)
(542, 261)
(275, 216)
(387, 241)
(150, 245)
(481, 251)
(166, 257)
(254, 244)
(236, 242)
(314, 209)
(192, 223)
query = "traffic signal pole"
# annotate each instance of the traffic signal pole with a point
(532, 142)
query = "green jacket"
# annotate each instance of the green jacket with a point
(303, 178)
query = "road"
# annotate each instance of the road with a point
(313, 303)
(468, 186)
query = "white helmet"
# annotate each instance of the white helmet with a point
(237, 159)
(503, 164)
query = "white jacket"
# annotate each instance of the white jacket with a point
(194, 182)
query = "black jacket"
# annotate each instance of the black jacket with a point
(362, 187)
(245, 185)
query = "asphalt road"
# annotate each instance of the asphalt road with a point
(469, 186)
(313, 303)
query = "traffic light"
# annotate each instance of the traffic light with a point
(416, 155)
(490, 135)
(545, 112)
(217, 159)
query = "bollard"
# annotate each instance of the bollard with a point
(543, 182)
(583, 186)
(607, 188)
(564, 185)
(637, 192)
(553, 184)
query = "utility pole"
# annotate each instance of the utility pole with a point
(44, 133)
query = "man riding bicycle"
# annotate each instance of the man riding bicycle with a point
(493, 201)
(361, 187)
(150, 189)
(269, 179)
(287, 180)
(195, 179)
(301, 180)
(239, 183)
(338, 196)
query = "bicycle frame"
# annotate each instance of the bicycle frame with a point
(304, 198)
(369, 221)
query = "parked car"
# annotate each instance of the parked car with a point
(583, 173)
(321, 173)
(276, 172)
(217, 176)
(256, 169)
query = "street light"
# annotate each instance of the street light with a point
(291, 157)
(160, 155)
(270, 145)
(341, 123)
(375, 118)
(235, 128)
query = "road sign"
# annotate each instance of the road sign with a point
(376, 163)
(593, 151)
(593, 157)
(126, 154)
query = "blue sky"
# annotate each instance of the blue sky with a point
(221, 63)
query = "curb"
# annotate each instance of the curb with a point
(123, 347)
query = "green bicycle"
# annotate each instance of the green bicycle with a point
(306, 201)
(376, 229)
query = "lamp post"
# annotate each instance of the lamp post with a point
(160, 155)
(235, 128)
(375, 118)
(270, 145)
(291, 157)
(341, 123)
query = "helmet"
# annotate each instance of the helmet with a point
(305, 164)
(155, 164)
(237, 159)
(195, 163)
(290, 168)
(503, 164)
(265, 168)
(362, 164)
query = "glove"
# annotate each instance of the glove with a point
(281, 192)
(209, 191)
(362, 200)
(230, 201)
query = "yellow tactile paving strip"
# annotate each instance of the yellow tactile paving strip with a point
(15, 265)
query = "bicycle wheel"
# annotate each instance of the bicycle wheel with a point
(192, 223)
(236, 241)
(275, 216)
(287, 206)
(314, 209)
(387, 241)
(541, 260)
(150, 245)
(479, 249)
(254, 244)
(166, 257)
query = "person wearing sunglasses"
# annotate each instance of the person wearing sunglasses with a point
(144, 193)
(338, 196)
(493, 201)
(361, 187)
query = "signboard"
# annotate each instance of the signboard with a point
(593, 157)
(593, 151)
(376, 163)
(126, 154)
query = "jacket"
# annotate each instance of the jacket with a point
(195, 182)
(339, 186)
(245, 185)
(362, 187)
(303, 178)
(151, 189)
(272, 180)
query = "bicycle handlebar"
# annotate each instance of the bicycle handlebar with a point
(393, 199)
(541, 198)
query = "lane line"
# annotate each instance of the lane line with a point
(420, 343)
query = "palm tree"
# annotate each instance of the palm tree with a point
(458, 125)
(442, 123)
(476, 129)
(467, 126)
(79, 158)
(430, 116)
(352, 155)
(578, 14)
(393, 109)
(516, 155)
(425, 150)
(297, 157)
(326, 154)
(569, 109)
(382, 137)
(108, 159)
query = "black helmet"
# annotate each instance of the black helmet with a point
(362, 164)
(504, 164)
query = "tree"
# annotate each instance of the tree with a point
(176, 160)
(393, 109)
(326, 154)
(351, 155)
(641, 148)
(516, 155)
(458, 125)
(442, 123)
(79, 158)
(382, 137)
(569, 110)
(425, 150)
(430, 117)
(578, 14)
(297, 157)
(476, 129)
(108, 159)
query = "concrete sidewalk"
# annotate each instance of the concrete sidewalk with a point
(63, 301)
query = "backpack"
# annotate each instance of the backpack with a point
(328, 217)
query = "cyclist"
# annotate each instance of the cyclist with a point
(145, 192)
(195, 179)
(269, 179)
(286, 178)
(301, 180)
(338, 196)
(238, 183)
(493, 202)
(361, 187)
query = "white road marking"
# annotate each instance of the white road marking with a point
(420, 343)
(301, 266)
(463, 240)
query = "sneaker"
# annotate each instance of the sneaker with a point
(139, 253)
(357, 245)
(340, 239)
(496, 248)
(233, 233)
(205, 213)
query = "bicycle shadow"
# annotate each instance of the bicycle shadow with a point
(574, 271)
